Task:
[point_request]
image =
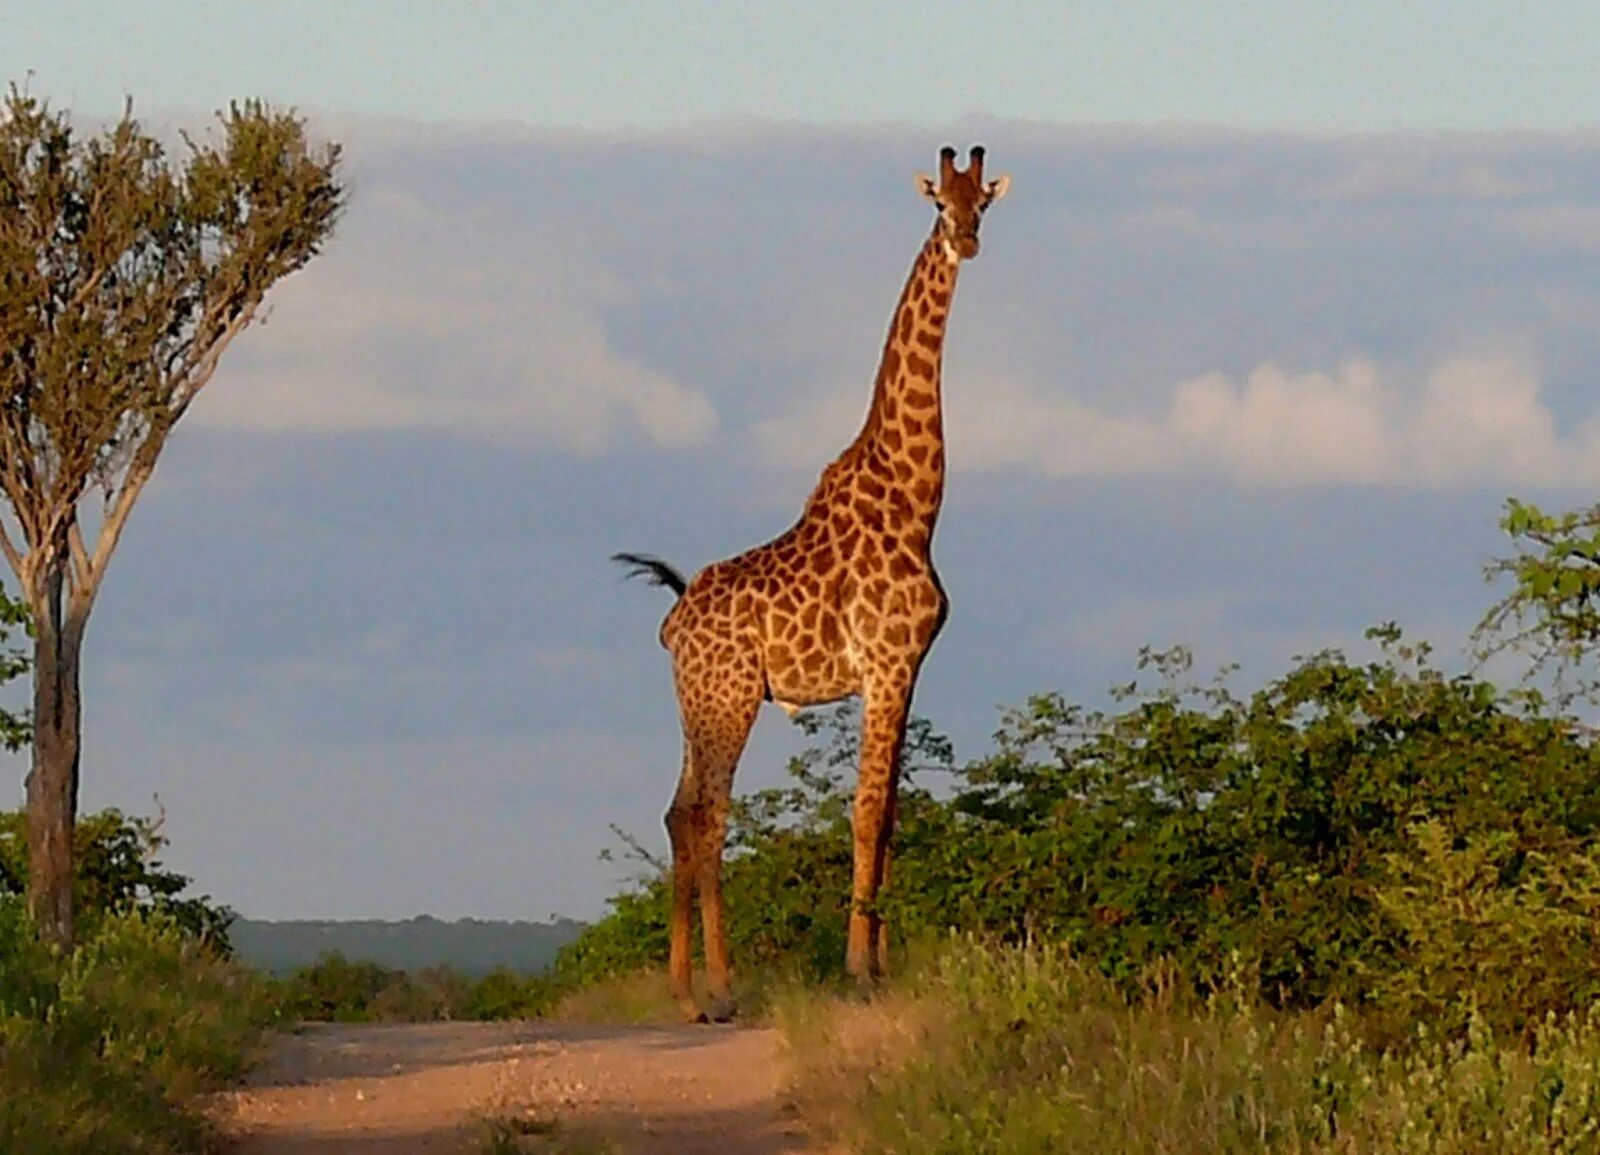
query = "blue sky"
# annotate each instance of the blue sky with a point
(1354, 65)
(1232, 382)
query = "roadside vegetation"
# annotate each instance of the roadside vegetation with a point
(1356, 909)
(110, 1047)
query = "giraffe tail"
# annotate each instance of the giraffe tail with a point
(653, 570)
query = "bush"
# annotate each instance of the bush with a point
(102, 1051)
(336, 989)
(117, 859)
(1486, 931)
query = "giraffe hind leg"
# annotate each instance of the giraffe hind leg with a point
(716, 726)
(680, 830)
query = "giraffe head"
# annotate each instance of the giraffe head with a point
(961, 198)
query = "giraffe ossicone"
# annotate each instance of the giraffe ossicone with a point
(845, 602)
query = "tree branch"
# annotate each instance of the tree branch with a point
(81, 571)
(201, 371)
(111, 531)
(13, 555)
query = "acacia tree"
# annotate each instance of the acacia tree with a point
(124, 275)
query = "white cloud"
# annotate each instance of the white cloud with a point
(451, 321)
(1312, 427)
(1469, 419)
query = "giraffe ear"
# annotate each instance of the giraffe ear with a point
(926, 187)
(996, 188)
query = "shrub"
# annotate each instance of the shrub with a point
(337, 989)
(117, 859)
(102, 1051)
(1486, 931)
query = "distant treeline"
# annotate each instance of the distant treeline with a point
(469, 946)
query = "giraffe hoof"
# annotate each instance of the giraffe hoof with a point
(690, 1012)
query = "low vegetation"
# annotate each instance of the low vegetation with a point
(1355, 910)
(106, 1050)
(337, 989)
(532, 1135)
(1026, 1050)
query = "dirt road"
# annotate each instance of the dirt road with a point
(391, 1090)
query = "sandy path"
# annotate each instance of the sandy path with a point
(388, 1090)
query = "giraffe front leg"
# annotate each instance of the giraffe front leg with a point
(880, 941)
(882, 735)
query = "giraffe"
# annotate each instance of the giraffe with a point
(846, 602)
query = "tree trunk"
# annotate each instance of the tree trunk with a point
(53, 781)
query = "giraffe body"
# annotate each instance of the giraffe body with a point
(846, 602)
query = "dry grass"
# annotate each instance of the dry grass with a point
(643, 998)
(639, 998)
(518, 1135)
(839, 1044)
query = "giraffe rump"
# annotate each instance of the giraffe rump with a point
(653, 570)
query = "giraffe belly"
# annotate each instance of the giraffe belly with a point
(793, 689)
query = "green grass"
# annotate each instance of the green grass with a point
(109, 1049)
(1022, 1051)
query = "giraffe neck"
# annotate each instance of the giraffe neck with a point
(905, 424)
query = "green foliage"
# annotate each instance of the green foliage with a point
(15, 728)
(1488, 931)
(1195, 825)
(1027, 1050)
(124, 275)
(1551, 610)
(1191, 826)
(119, 871)
(103, 1051)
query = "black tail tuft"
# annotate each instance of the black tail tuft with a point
(653, 570)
